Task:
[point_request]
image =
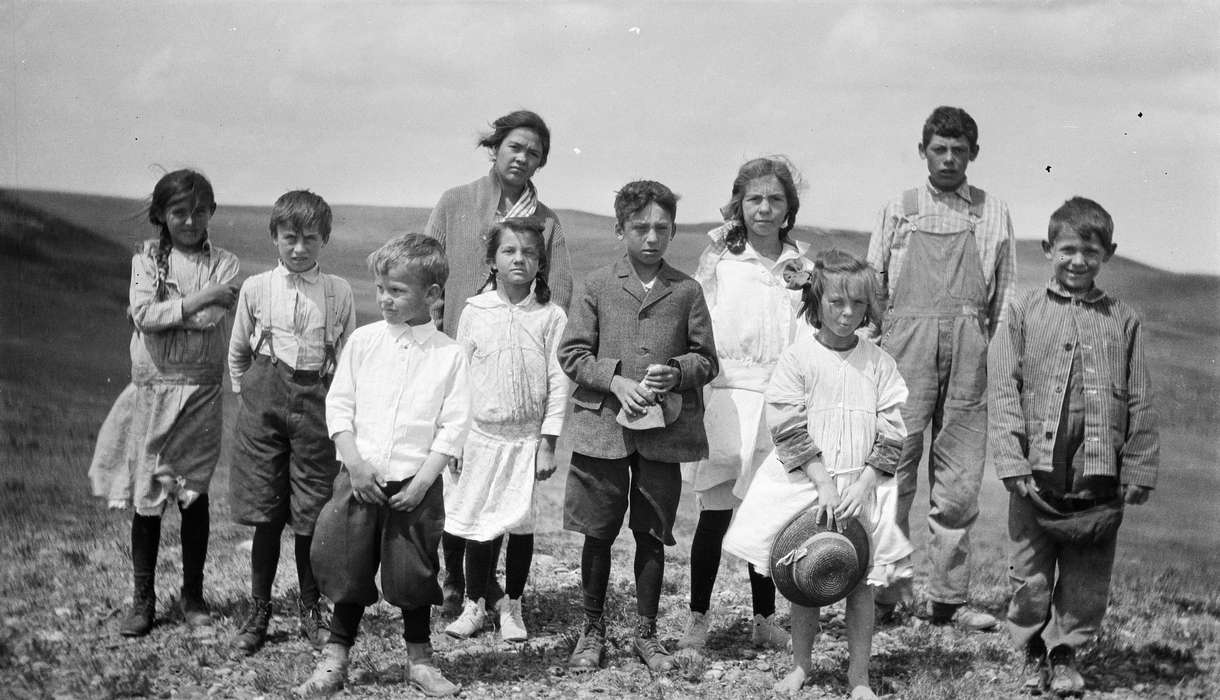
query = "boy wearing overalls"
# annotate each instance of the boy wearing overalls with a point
(945, 252)
(291, 321)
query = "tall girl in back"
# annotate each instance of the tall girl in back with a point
(754, 316)
(518, 396)
(161, 440)
(834, 409)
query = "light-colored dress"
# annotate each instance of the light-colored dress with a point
(163, 432)
(849, 401)
(518, 394)
(754, 317)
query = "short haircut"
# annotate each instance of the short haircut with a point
(951, 122)
(853, 270)
(301, 209)
(1087, 218)
(520, 119)
(636, 195)
(423, 253)
(786, 173)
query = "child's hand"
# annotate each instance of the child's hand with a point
(632, 395)
(1135, 495)
(214, 294)
(828, 503)
(856, 495)
(544, 460)
(409, 496)
(455, 466)
(1020, 485)
(661, 378)
(364, 484)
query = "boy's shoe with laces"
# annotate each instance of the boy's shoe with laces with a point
(962, 616)
(194, 610)
(312, 624)
(328, 676)
(424, 676)
(139, 619)
(1065, 680)
(587, 654)
(766, 632)
(470, 622)
(512, 625)
(253, 631)
(695, 636)
(649, 648)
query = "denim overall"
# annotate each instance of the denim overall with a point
(936, 330)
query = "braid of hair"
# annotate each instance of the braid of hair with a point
(164, 246)
(489, 283)
(542, 290)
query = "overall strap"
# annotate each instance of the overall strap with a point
(328, 338)
(265, 334)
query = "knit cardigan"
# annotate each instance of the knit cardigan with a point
(461, 219)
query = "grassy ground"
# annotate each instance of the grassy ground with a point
(65, 576)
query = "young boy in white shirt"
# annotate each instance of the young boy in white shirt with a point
(398, 410)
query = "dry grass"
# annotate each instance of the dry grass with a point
(66, 566)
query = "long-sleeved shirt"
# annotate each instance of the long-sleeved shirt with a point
(993, 237)
(1029, 369)
(167, 345)
(292, 305)
(403, 392)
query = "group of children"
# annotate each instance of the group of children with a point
(756, 381)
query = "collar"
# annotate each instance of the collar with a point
(311, 275)
(1092, 296)
(491, 299)
(963, 190)
(624, 268)
(406, 336)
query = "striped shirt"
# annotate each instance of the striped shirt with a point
(1029, 370)
(993, 237)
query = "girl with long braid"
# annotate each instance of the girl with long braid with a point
(161, 441)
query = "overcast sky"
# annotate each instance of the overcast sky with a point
(381, 103)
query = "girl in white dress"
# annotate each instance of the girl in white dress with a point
(833, 407)
(518, 394)
(754, 316)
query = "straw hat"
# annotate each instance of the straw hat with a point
(813, 566)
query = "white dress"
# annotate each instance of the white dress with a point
(849, 401)
(754, 316)
(518, 393)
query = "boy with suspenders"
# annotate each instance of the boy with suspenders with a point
(291, 322)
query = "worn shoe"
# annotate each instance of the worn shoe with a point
(766, 632)
(470, 622)
(1037, 670)
(649, 648)
(312, 624)
(454, 589)
(424, 676)
(1065, 680)
(962, 616)
(589, 649)
(328, 676)
(194, 609)
(512, 625)
(139, 619)
(253, 632)
(695, 636)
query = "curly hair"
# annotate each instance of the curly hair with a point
(789, 178)
(951, 122)
(638, 194)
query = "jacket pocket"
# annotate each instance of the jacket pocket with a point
(588, 398)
